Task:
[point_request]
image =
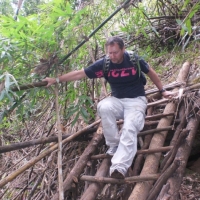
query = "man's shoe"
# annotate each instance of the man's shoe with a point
(111, 151)
(117, 174)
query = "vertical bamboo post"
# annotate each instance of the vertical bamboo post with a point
(60, 174)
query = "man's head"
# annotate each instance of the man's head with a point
(115, 49)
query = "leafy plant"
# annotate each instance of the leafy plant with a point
(7, 80)
(82, 108)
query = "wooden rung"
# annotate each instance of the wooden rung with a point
(158, 102)
(156, 130)
(157, 150)
(145, 151)
(127, 180)
(158, 116)
(152, 117)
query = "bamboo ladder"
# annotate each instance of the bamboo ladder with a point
(150, 170)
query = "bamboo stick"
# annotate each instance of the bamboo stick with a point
(144, 151)
(127, 180)
(169, 86)
(157, 130)
(21, 145)
(60, 172)
(44, 153)
(81, 163)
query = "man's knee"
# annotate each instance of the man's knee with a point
(104, 106)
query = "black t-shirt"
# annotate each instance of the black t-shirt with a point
(123, 78)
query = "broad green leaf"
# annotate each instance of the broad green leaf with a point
(75, 119)
(68, 8)
(189, 26)
(14, 81)
(84, 113)
(182, 32)
(179, 22)
(2, 94)
(71, 111)
(144, 33)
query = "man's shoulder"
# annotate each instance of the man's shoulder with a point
(97, 63)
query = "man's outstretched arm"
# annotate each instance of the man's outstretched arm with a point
(71, 76)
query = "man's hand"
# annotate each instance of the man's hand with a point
(168, 94)
(50, 81)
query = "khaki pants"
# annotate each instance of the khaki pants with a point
(132, 110)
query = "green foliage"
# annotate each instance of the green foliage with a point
(31, 7)
(81, 108)
(8, 80)
(186, 25)
(5, 7)
(55, 27)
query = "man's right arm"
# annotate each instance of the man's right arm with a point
(71, 76)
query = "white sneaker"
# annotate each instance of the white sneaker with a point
(111, 151)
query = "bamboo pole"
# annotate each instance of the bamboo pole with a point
(82, 162)
(29, 86)
(156, 130)
(60, 172)
(169, 86)
(144, 151)
(44, 140)
(127, 180)
(44, 83)
(44, 153)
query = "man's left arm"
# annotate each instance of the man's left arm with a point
(155, 79)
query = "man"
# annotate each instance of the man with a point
(127, 102)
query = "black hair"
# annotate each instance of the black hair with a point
(115, 39)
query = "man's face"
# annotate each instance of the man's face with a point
(115, 53)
